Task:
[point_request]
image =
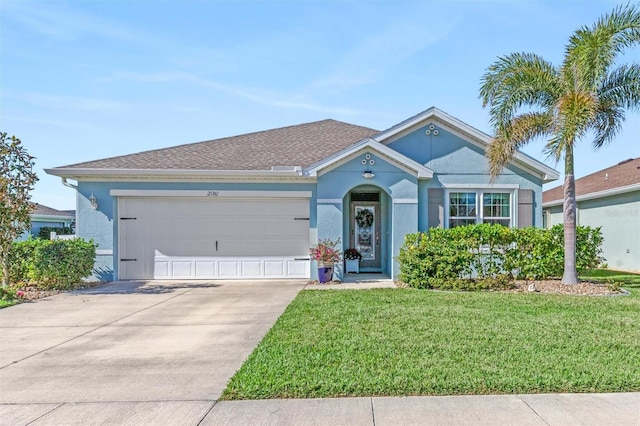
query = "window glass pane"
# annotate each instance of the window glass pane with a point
(462, 208)
(496, 205)
(496, 208)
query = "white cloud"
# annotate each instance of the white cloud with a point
(69, 102)
(65, 23)
(258, 96)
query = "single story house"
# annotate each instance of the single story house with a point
(44, 216)
(250, 206)
(609, 198)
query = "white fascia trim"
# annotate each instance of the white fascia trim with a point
(481, 186)
(467, 132)
(329, 201)
(394, 157)
(405, 201)
(212, 193)
(51, 218)
(599, 194)
(75, 173)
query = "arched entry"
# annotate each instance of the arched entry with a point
(367, 228)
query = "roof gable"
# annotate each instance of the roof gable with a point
(465, 132)
(615, 179)
(390, 155)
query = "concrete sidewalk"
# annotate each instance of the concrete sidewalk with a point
(550, 409)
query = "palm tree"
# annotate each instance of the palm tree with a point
(586, 96)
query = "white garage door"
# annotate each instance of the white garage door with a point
(205, 238)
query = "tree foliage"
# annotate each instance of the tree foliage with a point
(17, 179)
(528, 97)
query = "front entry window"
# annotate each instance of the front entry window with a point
(365, 231)
(466, 208)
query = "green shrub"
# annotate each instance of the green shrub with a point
(59, 264)
(483, 257)
(45, 231)
(20, 258)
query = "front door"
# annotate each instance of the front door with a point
(365, 233)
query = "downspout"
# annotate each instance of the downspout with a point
(67, 184)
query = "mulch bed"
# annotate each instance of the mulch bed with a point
(32, 292)
(584, 288)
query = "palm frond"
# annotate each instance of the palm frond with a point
(519, 131)
(622, 87)
(576, 114)
(592, 50)
(517, 80)
(607, 124)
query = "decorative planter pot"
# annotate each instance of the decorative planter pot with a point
(352, 265)
(325, 271)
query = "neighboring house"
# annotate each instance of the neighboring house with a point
(609, 198)
(250, 206)
(44, 216)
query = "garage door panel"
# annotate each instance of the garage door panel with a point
(176, 238)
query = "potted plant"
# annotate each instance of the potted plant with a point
(352, 258)
(326, 254)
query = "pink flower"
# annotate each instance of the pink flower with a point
(21, 293)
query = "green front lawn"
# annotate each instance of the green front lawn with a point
(416, 342)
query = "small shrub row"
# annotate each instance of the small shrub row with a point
(480, 256)
(45, 231)
(59, 264)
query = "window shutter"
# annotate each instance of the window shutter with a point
(436, 207)
(525, 208)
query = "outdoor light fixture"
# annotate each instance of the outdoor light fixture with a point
(368, 161)
(93, 201)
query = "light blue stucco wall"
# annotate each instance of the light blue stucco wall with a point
(457, 161)
(619, 217)
(100, 225)
(399, 206)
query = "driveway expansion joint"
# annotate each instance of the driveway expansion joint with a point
(532, 409)
(45, 414)
(207, 413)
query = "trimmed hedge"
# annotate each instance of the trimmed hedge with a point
(488, 256)
(59, 264)
(45, 231)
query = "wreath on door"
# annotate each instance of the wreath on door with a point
(364, 218)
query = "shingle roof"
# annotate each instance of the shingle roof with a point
(300, 145)
(622, 174)
(40, 209)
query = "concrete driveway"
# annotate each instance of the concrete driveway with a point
(67, 357)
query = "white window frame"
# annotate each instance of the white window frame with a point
(479, 190)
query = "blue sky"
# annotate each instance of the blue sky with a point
(91, 79)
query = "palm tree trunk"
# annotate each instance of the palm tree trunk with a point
(570, 275)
